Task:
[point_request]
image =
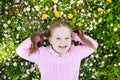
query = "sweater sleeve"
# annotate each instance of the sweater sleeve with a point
(23, 50)
(83, 49)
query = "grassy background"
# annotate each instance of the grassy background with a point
(99, 19)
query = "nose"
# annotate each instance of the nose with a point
(63, 42)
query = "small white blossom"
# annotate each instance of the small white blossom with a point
(81, 74)
(115, 29)
(37, 8)
(115, 65)
(9, 22)
(5, 25)
(119, 64)
(118, 42)
(19, 14)
(93, 76)
(28, 71)
(14, 64)
(90, 64)
(16, 1)
(97, 56)
(28, 9)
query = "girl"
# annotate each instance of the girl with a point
(60, 60)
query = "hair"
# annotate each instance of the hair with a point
(85, 40)
(57, 25)
(34, 46)
(48, 34)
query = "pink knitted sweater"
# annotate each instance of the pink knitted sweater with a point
(53, 66)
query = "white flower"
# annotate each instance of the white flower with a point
(81, 74)
(9, 22)
(71, 1)
(105, 56)
(26, 63)
(7, 64)
(17, 36)
(115, 64)
(32, 69)
(4, 76)
(90, 64)
(115, 29)
(119, 64)
(97, 56)
(14, 64)
(19, 14)
(118, 42)
(28, 71)
(18, 28)
(5, 25)
(92, 56)
(111, 24)
(91, 28)
(89, 14)
(28, 9)
(16, 1)
(46, 8)
(82, 10)
(85, 64)
(115, 50)
(37, 8)
(21, 63)
(93, 76)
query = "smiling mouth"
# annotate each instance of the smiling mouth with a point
(62, 46)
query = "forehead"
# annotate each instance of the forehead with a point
(61, 31)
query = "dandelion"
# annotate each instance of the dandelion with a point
(70, 16)
(79, 24)
(57, 14)
(55, 1)
(110, 1)
(100, 9)
(100, 19)
(44, 16)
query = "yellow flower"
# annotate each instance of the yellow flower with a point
(100, 9)
(100, 19)
(79, 24)
(57, 14)
(55, 1)
(109, 1)
(70, 16)
(44, 16)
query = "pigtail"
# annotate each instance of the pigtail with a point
(34, 45)
(85, 40)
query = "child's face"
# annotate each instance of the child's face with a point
(61, 39)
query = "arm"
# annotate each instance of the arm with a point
(23, 51)
(85, 50)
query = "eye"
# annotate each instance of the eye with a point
(58, 38)
(67, 38)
